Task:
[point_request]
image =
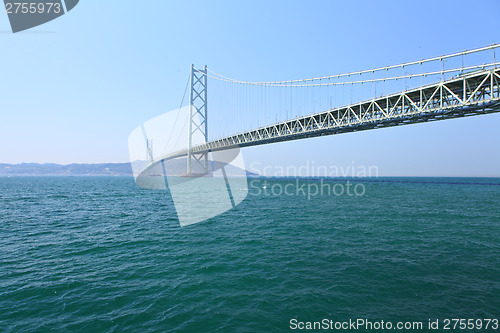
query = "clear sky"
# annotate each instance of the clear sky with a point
(74, 88)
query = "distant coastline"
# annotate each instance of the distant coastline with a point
(125, 169)
(74, 169)
(99, 169)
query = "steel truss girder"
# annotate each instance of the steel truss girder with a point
(477, 93)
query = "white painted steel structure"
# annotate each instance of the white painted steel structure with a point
(466, 94)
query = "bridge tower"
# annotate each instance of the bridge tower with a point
(197, 163)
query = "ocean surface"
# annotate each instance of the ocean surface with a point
(98, 254)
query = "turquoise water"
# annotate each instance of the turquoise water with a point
(97, 254)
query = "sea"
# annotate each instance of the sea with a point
(99, 254)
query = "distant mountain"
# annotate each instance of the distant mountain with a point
(52, 169)
(177, 167)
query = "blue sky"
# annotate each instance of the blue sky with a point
(74, 88)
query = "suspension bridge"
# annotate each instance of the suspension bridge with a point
(456, 85)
